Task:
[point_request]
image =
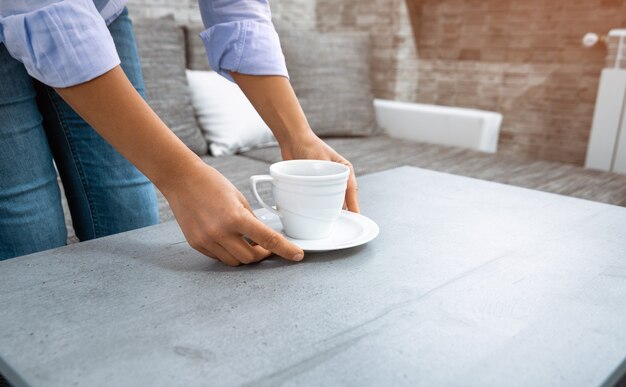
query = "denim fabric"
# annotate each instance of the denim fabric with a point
(106, 194)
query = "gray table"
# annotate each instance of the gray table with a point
(469, 283)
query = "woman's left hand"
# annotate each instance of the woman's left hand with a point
(274, 99)
(312, 147)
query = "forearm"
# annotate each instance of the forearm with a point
(212, 214)
(117, 112)
(274, 99)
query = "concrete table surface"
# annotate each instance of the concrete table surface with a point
(469, 283)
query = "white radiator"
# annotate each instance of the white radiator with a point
(467, 128)
(607, 144)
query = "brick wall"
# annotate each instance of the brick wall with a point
(394, 58)
(523, 59)
(300, 12)
(394, 55)
(183, 10)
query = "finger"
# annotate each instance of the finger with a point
(270, 239)
(242, 251)
(216, 251)
(261, 252)
(246, 205)
(206, 252)
(352, 194)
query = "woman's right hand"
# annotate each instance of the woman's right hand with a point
(214, 217)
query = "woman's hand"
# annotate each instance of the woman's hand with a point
(274, 99)
(310, 146)
(212, 214)
(214, 217)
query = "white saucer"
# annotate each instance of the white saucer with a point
(350, 230)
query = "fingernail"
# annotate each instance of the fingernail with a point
(298, 257)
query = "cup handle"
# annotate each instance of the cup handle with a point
(254, 180)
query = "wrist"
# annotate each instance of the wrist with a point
(179, 174)
(297, 145)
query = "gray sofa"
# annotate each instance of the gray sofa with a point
(371, 153)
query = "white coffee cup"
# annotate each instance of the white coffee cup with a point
(309, 195)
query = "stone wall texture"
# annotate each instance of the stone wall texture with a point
(523, 59)
(394, 57)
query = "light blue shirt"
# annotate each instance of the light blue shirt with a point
(66, 42)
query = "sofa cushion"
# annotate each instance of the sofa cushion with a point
(374, 154)
(196, 53)
(162, 50)
(330, 73)
(228, 120)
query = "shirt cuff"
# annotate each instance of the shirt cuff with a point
(246, 46)
(62, 44)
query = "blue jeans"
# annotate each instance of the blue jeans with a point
(105, 193)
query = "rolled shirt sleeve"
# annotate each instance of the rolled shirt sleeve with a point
(62, 44)
(240, 37)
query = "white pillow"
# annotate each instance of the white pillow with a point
(227, 119)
